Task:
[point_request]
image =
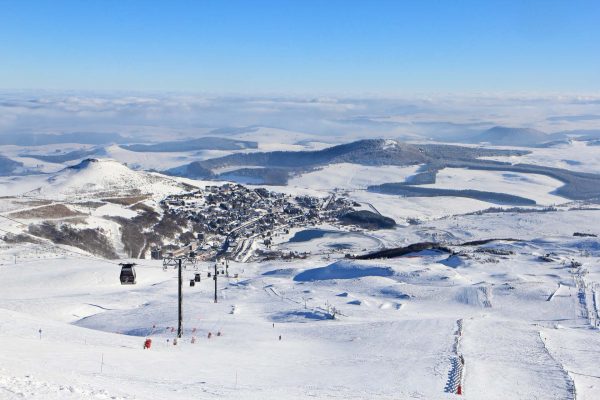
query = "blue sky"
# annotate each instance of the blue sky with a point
(301, 46)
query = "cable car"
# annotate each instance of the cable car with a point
(127, 274)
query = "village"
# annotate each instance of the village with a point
(233, 221)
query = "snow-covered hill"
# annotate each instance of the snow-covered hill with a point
(92, 178)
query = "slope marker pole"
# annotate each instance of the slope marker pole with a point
(179, 303)
(215, 278)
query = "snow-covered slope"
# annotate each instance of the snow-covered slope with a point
(400, 327)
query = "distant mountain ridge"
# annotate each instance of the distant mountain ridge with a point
(64, 157)
(8, 166)
(203, 143)
(278, 165)
(528, 137)
(366, 152)
(506, 136)
(42, 139)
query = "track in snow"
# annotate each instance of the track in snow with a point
(457, 361)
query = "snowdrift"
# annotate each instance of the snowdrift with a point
(342, 270)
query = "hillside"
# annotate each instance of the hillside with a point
(368, 152)
(9, 167)
(282, 164)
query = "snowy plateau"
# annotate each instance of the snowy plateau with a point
(375, 269)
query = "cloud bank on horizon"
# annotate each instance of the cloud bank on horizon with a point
(128, 57)
(157, 116)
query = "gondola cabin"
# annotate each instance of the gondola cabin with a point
(127, 274)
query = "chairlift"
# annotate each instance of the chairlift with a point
(192, 282)
(197, 277)
(127, 274)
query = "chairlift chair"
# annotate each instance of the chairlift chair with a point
(127, 274)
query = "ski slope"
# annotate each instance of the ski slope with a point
(394, 336)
